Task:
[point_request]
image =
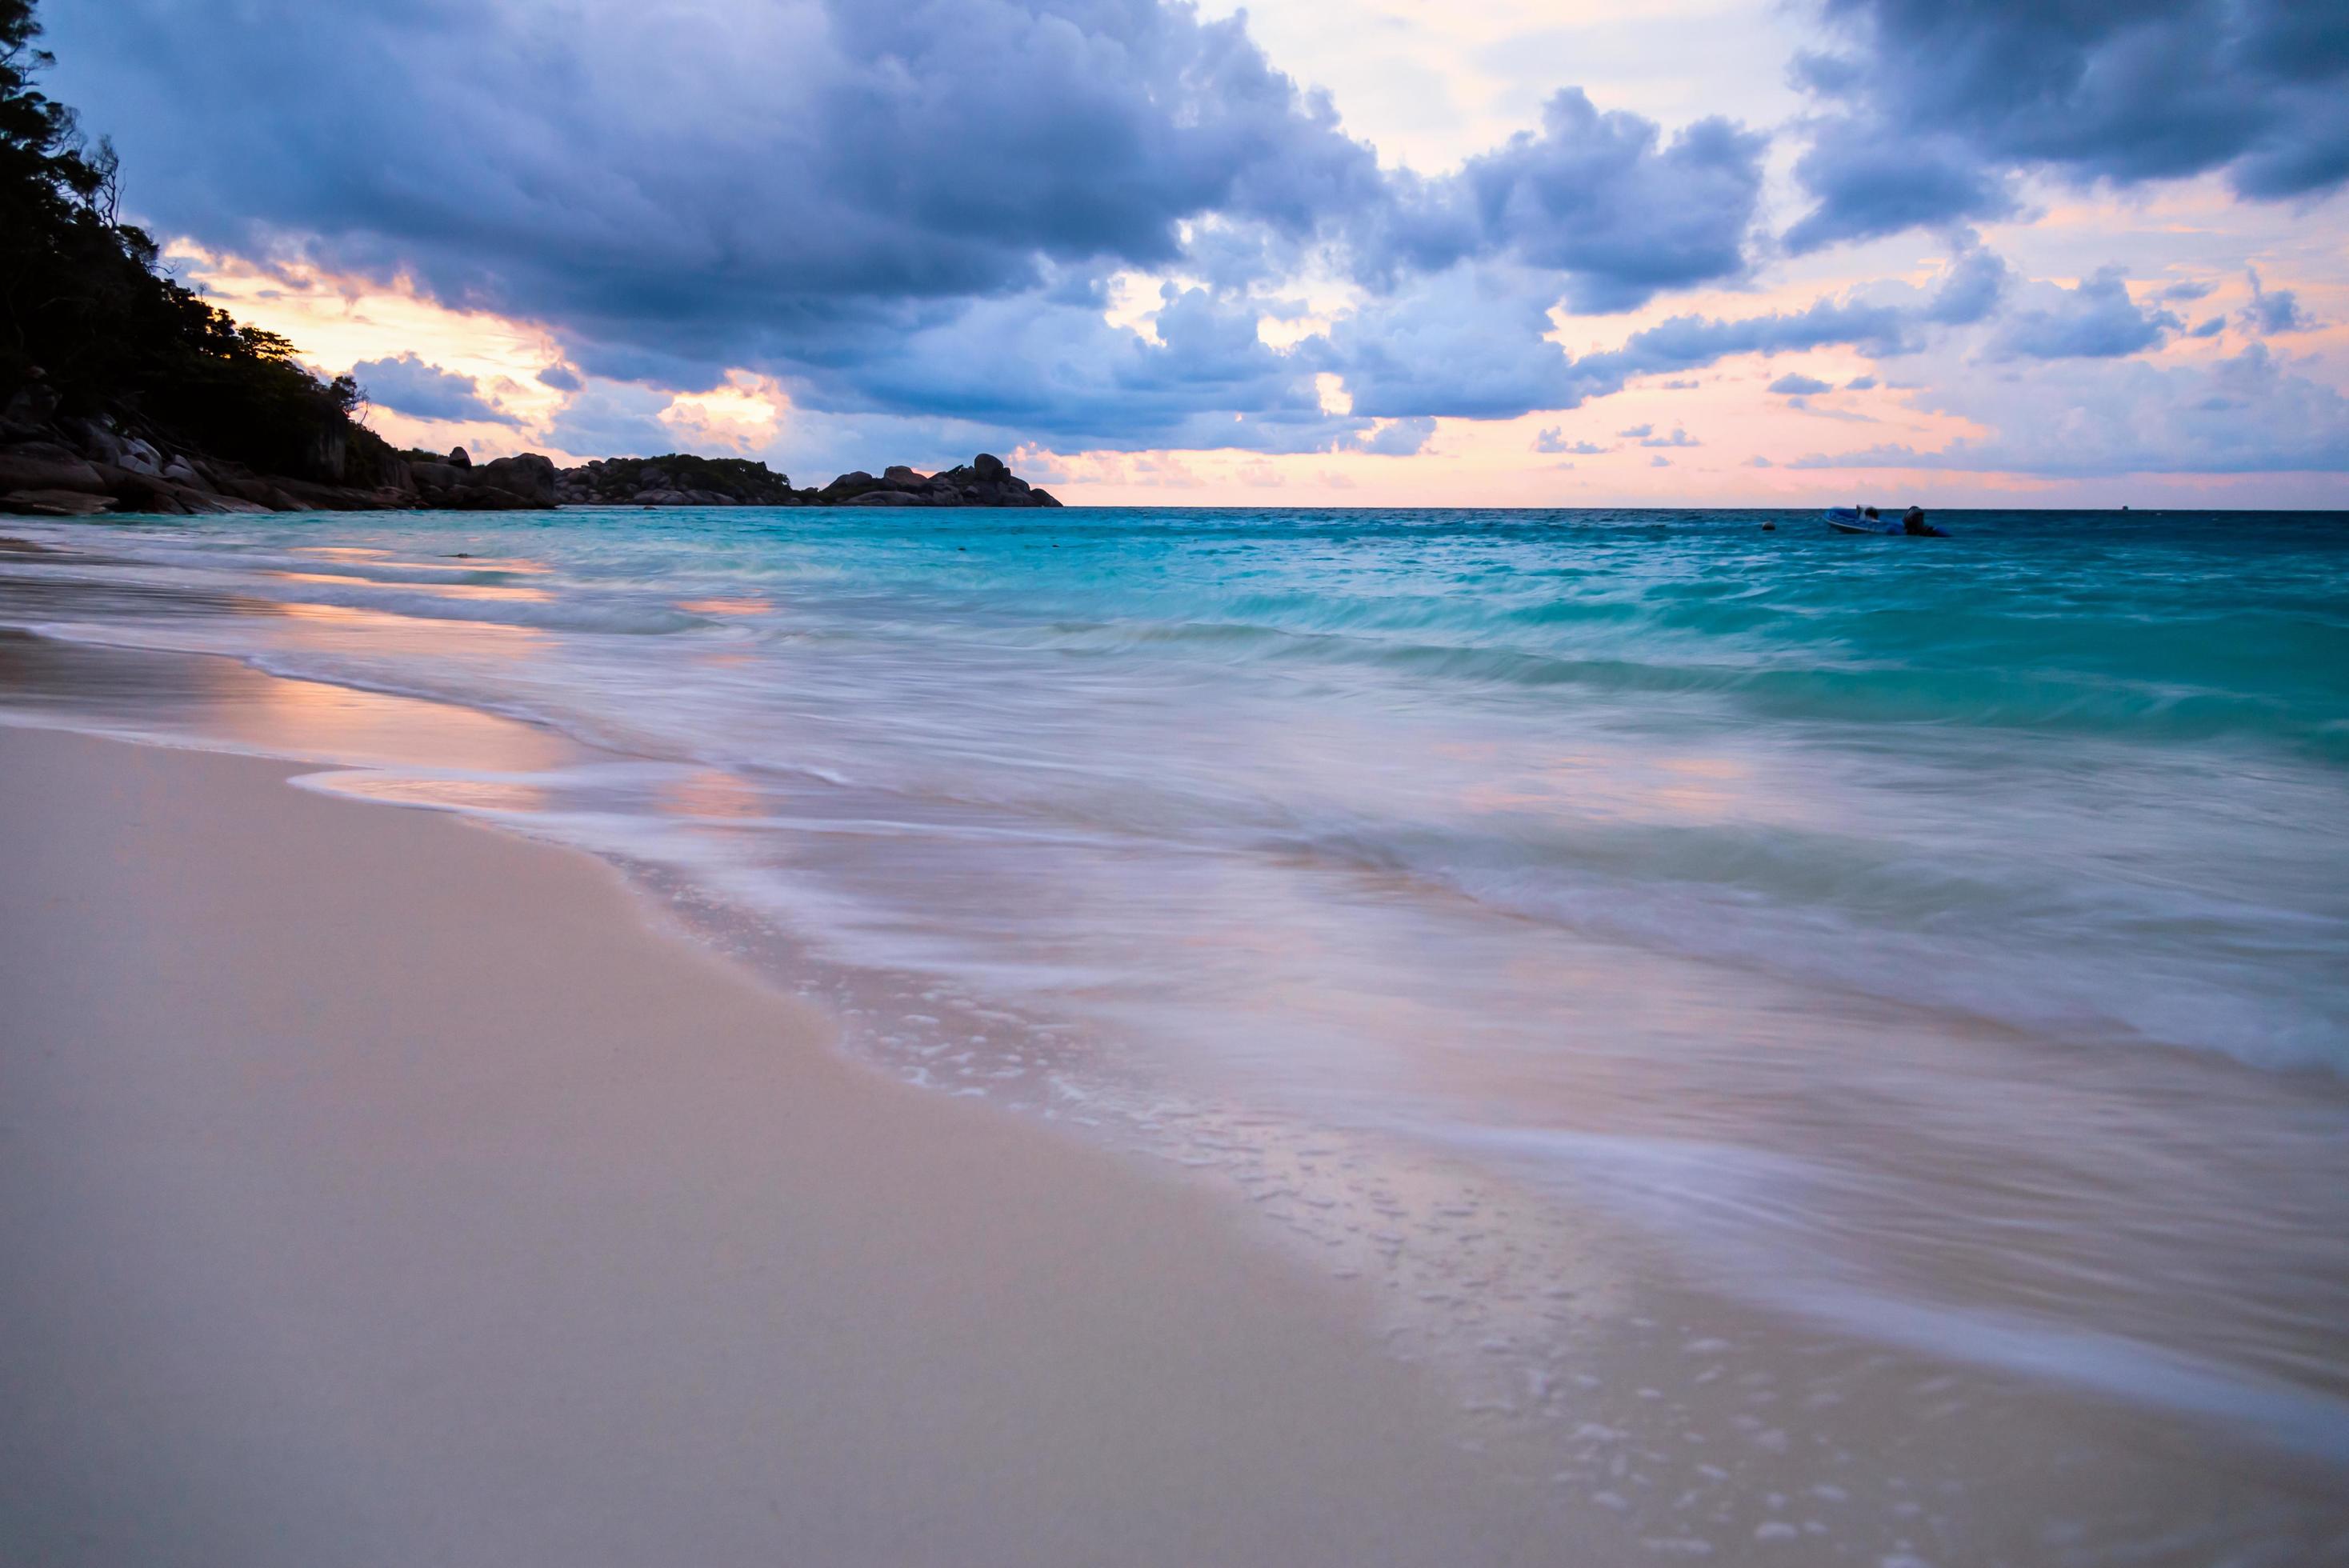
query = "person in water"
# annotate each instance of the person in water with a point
(1913, 522)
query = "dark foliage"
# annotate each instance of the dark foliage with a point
(86, 309)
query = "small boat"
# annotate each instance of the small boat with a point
(1852, 520)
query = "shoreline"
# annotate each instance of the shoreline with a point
(471, 1216)
(1891, 1433)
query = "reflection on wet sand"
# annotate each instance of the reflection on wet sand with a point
(384, 631)
(727, 606)
(186, 696)
(49, 597)
(1625, 787)
(441, 590)
(714, 793)
(507, 797)
(461, 561)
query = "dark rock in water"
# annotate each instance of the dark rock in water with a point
(248, 489)
(459, 459)
(449, 487)
(45, 451)
(56, 503)
(524, 482)
(51, 469)
(137, 491)
(107, 445)
(982, 481)
(528, 475)
(847, 487)
(1769, 528)
(681, 479)
(139, 478)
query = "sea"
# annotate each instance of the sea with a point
(1940, 946)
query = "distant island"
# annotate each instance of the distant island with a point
(69, 466)
(122, 390)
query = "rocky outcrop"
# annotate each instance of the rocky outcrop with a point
(56, 503)
(984, 480)
(44, 465)
(676, 479)
(53, 467)
(682, 480)
(456, 483)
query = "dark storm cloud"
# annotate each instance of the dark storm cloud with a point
(1691, 342)
(1470, 344)
(1599, 197)
(613, 420)
(849, 195)
(1976, 282)
(1039, 370)
(915, 213)
(1868, 183)
(1466, 343)
(2096, 320)
(2272, 311)
(723, 183)
(407, 385)
(1402, 438)
(1929, 106)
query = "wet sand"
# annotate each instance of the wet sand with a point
(378, 1189)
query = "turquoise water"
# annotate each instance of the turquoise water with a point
(2100, 756)
(1966, 921)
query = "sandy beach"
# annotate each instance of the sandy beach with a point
(383, 1189)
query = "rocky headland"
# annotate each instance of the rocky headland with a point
(682, 480)
(62, 466)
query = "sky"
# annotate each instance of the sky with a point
(1307, 252)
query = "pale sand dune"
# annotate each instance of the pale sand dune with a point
(375, 1189)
